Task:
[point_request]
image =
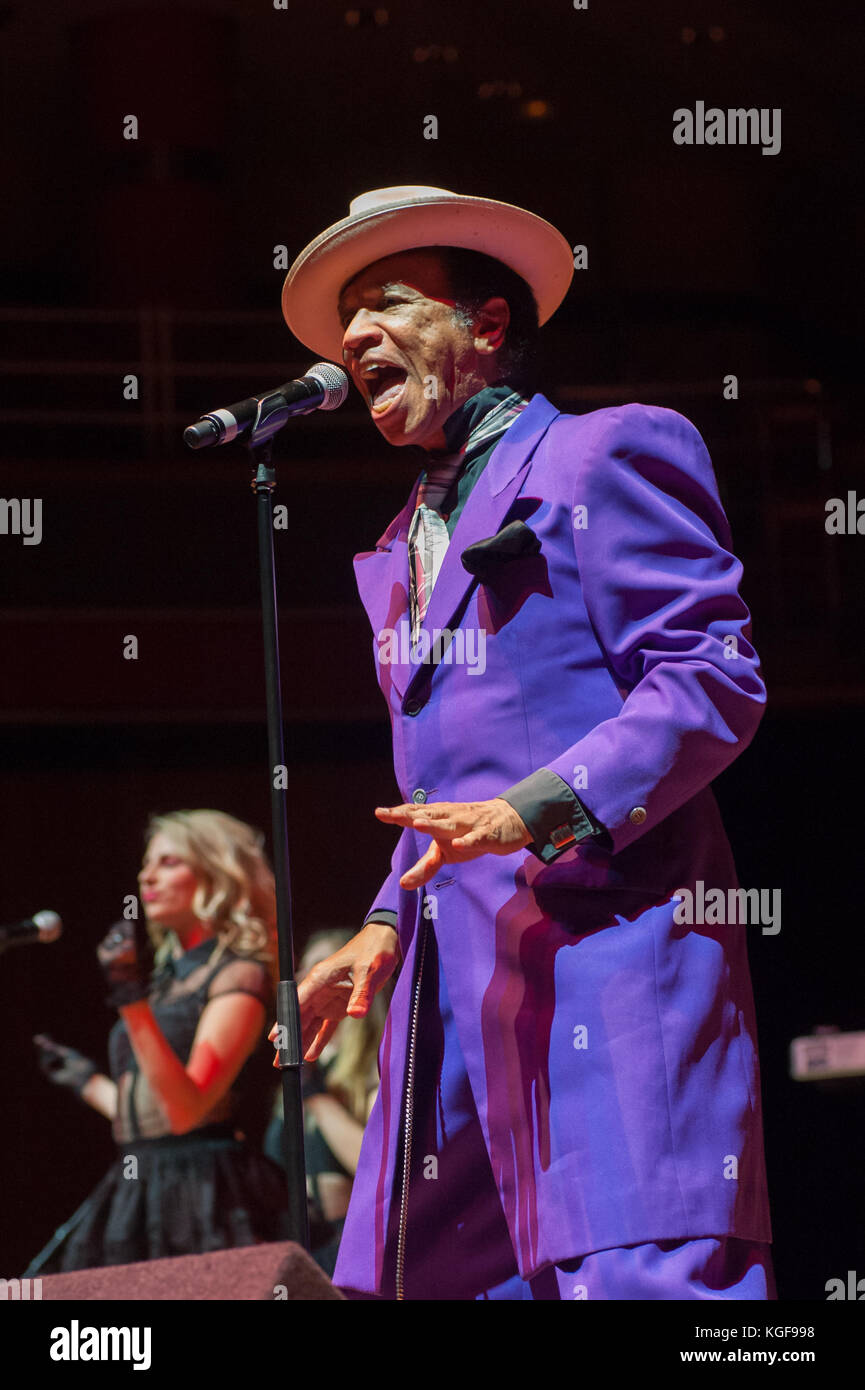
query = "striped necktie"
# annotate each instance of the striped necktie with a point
(428, 537)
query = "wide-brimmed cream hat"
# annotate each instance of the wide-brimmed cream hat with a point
(389, 220)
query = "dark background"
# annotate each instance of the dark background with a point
(156, 257)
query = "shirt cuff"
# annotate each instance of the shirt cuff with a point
(555, 818)
(381, 914)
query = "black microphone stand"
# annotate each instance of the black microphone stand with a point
(269, 419)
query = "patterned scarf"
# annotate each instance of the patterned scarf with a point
(428, 537)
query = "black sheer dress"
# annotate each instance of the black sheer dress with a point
(169, 1194)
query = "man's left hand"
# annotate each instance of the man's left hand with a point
(460, 830)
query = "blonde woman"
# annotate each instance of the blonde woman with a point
(189, 1086)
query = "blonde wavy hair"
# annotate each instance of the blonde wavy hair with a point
(236, 893)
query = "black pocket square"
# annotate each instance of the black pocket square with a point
(513, 541)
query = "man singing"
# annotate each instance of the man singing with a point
(570, 1095)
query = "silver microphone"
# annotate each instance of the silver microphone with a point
(42, 926)
(324, 387)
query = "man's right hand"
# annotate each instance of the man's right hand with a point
(344, 985)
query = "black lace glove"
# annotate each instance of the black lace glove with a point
(312, 1080)
(126, 964)
(63, 1065)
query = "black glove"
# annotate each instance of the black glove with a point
(63, 1065)
(312, 1080)
(125, 964)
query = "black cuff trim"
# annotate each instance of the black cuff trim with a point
(555, 818)
(381, 914)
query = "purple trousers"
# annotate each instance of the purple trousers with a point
(455, 1238)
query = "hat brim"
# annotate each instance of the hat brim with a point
(522, 240)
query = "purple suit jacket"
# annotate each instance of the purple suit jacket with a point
(611, 1052)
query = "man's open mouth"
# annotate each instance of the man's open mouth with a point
(384, 384)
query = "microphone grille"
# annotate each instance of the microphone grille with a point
(49, 924)
(334, 381)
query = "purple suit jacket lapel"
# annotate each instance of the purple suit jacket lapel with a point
(382, 574)
(382, 580)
